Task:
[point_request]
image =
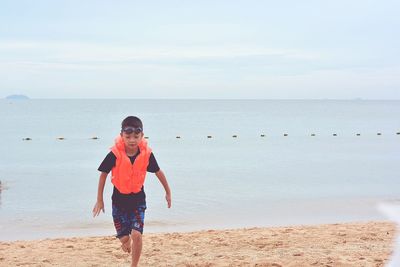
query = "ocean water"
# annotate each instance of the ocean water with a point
(49, 186)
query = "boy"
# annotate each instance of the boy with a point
(129, 160)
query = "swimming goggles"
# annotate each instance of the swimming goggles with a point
(130, 129)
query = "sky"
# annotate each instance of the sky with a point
(310, 49)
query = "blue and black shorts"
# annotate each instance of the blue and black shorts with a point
(126, 220)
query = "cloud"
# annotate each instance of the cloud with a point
(81, 53)
(219, 71)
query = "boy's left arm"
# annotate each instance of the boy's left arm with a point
(163, 180)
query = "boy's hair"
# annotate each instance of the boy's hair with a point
(132, 121)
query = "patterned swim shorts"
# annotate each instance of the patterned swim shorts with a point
(127, 220)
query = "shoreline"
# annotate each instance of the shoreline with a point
(278, 214)
(338, 244)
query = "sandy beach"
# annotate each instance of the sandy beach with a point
(348, 244)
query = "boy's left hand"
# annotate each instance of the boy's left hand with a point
(168, 198)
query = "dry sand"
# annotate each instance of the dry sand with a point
(350, 244)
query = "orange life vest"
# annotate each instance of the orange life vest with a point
(127, 177)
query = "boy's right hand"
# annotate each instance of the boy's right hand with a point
(99, 206)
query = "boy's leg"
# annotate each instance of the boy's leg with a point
(136, 233)
(126, 243)
(136, 247)
(122, 226)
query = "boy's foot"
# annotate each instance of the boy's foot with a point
(126, 244)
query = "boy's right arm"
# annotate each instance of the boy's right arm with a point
(99, 206)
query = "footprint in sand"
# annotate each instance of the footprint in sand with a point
(120, 256)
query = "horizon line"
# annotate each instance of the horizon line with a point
(166, 98)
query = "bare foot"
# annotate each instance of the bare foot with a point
(126, 244)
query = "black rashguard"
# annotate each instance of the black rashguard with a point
(127, 200)
(109, 163)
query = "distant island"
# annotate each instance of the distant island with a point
(17, 97)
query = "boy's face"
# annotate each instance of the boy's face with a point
(131, 140)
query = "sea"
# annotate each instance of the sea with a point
(229, 163)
